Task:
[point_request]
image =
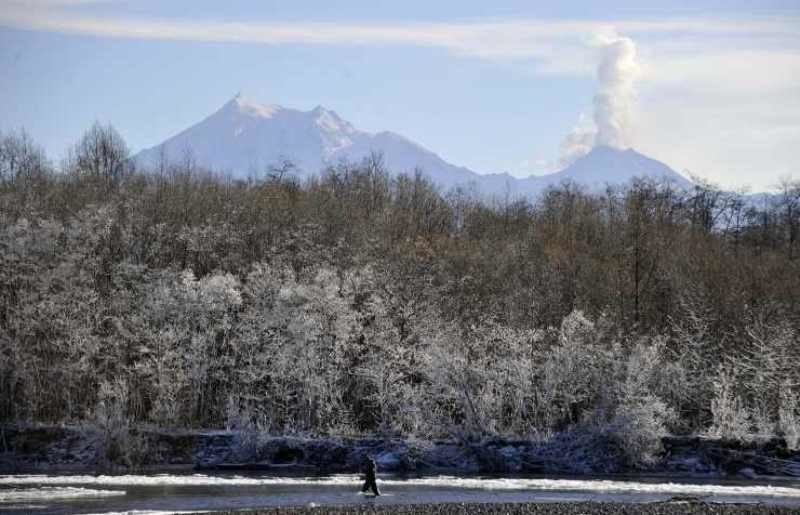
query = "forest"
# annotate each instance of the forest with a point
(360, 302)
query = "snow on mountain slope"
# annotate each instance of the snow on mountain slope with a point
(402, 154)
(244, 138)
(607, 166)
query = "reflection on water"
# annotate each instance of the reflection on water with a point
(169, 492)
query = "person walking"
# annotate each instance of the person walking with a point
(370, 468)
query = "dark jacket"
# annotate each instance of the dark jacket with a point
(370, 468)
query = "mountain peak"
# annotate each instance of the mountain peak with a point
(330, 122)
(610, 151)
(240, 104)
(608, 165)
(322, 112)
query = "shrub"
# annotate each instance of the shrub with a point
(730, 417)
(788, 419)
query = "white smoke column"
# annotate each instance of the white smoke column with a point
(578, 142)
(613, 102)
(616, 93)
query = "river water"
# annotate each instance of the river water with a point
(156, 493)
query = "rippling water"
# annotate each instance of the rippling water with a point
(63, 494)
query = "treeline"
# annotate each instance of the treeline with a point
(361, 302)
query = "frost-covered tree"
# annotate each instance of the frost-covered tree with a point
(362, 302)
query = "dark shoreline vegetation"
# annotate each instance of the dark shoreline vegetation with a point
(81, 449)
(363, 304)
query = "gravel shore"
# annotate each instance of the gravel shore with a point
(571, 508)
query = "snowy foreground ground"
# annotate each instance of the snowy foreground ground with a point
(583, 508)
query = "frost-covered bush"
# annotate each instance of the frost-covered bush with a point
(454, 390)
(111, 412)
(789, 417)
(641, 417)
(730, 417)
(481, 382)
(638, 426)
(577, 329)
(574, 374)
(119, 445)
(606, 388)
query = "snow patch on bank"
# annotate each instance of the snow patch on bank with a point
(50, 493)
(175, 480)
(601, 485)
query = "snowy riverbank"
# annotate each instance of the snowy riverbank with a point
(72, 448)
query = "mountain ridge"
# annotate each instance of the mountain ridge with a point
(244, 137)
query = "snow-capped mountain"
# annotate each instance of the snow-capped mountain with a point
(244, 138)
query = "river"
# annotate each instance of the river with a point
(80, 494)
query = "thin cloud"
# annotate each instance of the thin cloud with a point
(559, 45)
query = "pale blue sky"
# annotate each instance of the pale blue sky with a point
(495, 88)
